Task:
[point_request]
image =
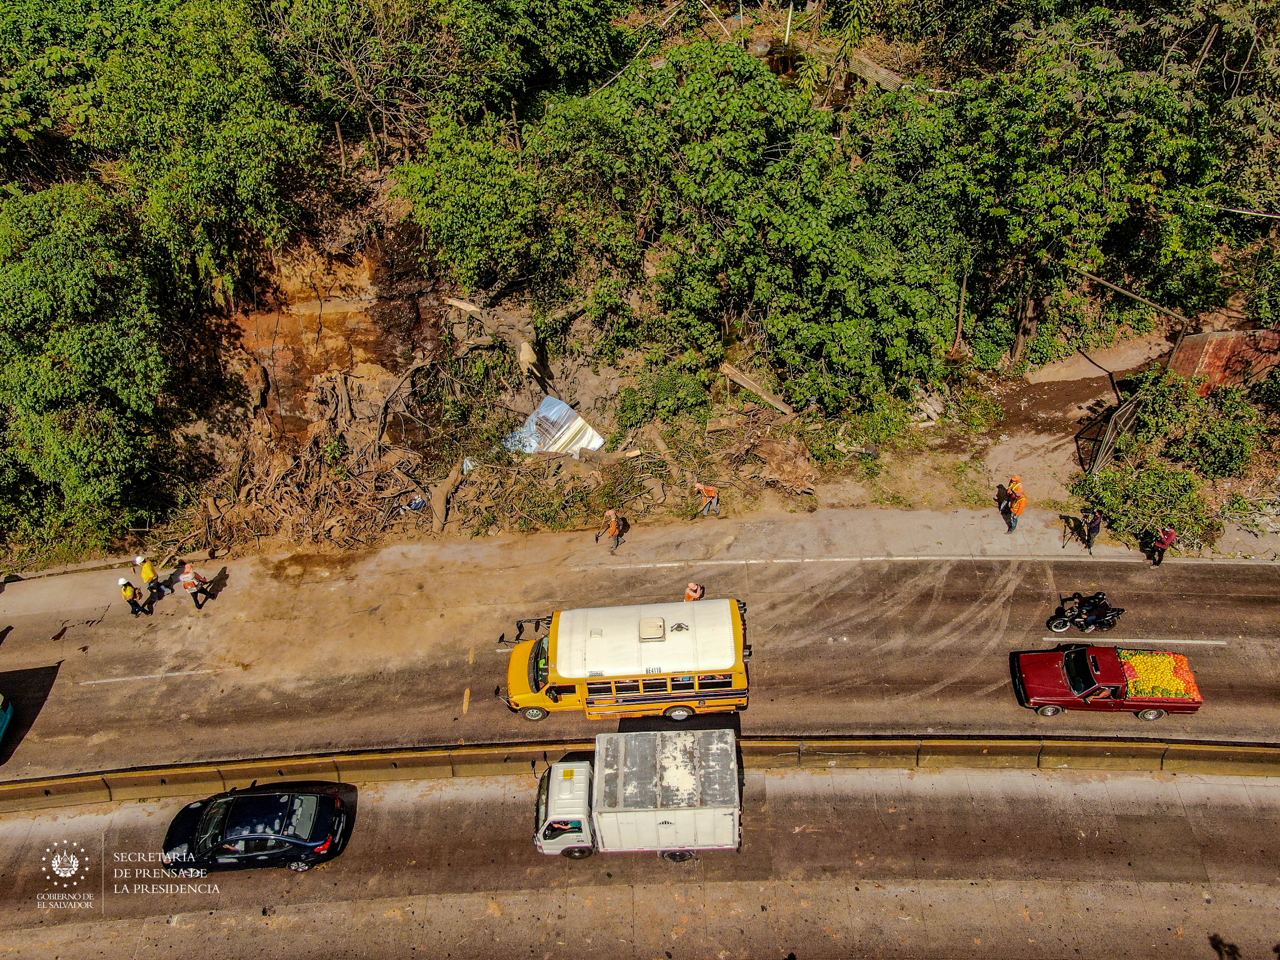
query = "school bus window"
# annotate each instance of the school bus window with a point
(682, 683)
(599, 689)
(715, 681)
(654, 686)
(627, 686)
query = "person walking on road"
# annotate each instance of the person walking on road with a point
(695, 591)
(131, 595)
(1092, 527)
(1167, 538)
(710, 499)
(195, 585)
(615, 527)
(1015, 502)
(151, 580)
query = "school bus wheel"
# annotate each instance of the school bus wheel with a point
(534, 713)
(678, 713)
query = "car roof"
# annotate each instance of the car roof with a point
(258, 815)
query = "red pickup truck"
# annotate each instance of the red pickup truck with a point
(1149, 683)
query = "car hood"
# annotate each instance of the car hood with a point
(1043, 675)
(178, 841)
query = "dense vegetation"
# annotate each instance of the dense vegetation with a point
(695, 204)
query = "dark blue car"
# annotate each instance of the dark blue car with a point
(294, 825)
(6, 715)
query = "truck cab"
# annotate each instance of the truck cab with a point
(562, 821)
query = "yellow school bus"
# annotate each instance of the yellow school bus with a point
(659, 659)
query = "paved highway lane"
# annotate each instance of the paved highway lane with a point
(873, 863)
(398, 647)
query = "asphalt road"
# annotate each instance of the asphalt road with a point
(835, 864)
(398, 647)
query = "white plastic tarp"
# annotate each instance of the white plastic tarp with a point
(554, 427)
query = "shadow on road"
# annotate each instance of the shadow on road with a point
(27, 690)
(218, 582)
(706, 721)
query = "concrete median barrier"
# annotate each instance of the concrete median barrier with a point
(1100, 755)
(996, 754)
(402, 765)
(54, 792)
(1223, 761)
(859, 753)
(501, 761)
(276, 771)
(168, 782)
(766, 754)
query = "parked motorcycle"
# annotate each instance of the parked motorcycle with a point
(1084, 613)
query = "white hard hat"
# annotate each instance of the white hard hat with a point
(122, 581)
(138, 559)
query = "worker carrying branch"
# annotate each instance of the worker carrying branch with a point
(614, 528)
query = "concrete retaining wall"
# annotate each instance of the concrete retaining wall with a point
(761, 753)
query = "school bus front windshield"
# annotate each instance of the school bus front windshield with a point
(538, 665)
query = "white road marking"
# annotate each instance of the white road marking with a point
(869, 559)
(1041, 558)
(1110, 640)
(147, 676)
(466, 701)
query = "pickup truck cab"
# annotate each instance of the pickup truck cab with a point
(1148, 683)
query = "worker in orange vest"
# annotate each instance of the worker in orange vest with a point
(615, 526)
(695, 591)
(710, 499)
(1015, 503)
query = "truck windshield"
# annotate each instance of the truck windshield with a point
(538, 666)
(544, 792)
(1079, 676)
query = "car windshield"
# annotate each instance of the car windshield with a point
(274, 815)
(1079, 676)
(538, 665)
(209, 832)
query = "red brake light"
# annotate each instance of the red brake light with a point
(324, 847)
(337, 802)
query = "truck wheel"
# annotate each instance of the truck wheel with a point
(534, 713)
(576, 853)
(299, 866)
(678, 714)
(1059, 624)
(1049, 710)
(1151, 714)
(677, 856)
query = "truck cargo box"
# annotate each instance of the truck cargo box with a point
(666, 790)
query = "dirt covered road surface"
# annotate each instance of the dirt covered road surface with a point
(862, 622)
(1025, 865)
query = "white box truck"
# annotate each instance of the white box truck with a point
(672, 792)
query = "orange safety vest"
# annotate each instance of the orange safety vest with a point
(708, 491)
(691, 595)
(1019, 504)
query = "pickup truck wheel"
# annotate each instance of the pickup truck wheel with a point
(679, 714)
(1151, 714)
(576, 853)
(534, 713)
(677, 856)
(1049, 710)
(1059, 624)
